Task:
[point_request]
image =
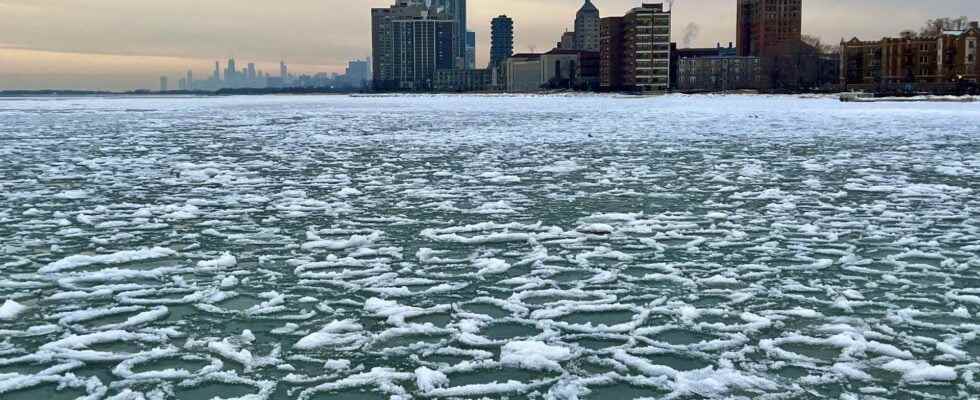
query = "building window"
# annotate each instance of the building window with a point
(971, 58)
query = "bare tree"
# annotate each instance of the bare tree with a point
(819, 45)
(935, 27)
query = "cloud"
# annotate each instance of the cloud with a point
(326, 33)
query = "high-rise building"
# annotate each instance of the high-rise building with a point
(419, 48)
(413, 38)
(587, 27)
(250, 74)
(217, 72)
(767, 28)
(454, 10)
(470, 50)
(283, 72)
(567, 41)
(231, 72)
(357, 73)
(163, 84)
(501, 40)
(611, 53)
(635, 50)
(189, 80)
(382, 56)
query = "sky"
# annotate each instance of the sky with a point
(129, 44)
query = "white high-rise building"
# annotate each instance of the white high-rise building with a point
(587, 27)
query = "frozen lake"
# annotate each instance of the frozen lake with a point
(488, 247)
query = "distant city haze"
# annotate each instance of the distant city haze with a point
(126, 44)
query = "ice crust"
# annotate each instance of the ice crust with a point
(470, 247)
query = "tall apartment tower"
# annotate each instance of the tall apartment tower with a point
(382, 57)
(413, 38)
(455, 10)
(767, 27)
(419, 48)
(501, 40)
(634, 51)
(163, 84)
(587, 27)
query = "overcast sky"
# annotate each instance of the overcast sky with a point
(126, 44)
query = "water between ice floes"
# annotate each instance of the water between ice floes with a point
(488, 247)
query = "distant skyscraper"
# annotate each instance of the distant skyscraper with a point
(357, 73)
(470, 50)
(231, 71)
(217, 72)
(587, 27)
(189, 80)
(283, 72)
(766, 27)
(250, 73)
(501, 40)
(163, 84)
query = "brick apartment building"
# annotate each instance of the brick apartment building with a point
(945, 58)
(635, 50)
(766, 27)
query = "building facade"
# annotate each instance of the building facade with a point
(946, 58)
(634, 52)
(557, 69)
(766, 27)
(420, 47)
(470, 50)
(587, 27)
(677, 54)
(501, 40)
(357, 73)
(454, 10)
(646, 49)
(567, 41)
(719, 74)
(523, 73)
(414, 38)
(382, 56)
(611, 54)
(463, 80)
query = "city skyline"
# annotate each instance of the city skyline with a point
(54, 44)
